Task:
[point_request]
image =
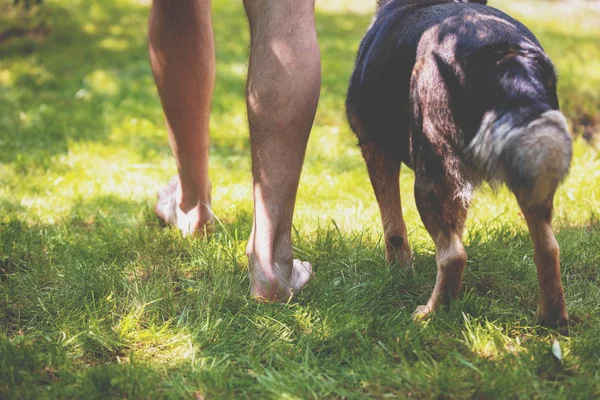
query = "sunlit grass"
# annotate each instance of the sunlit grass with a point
(98, 300)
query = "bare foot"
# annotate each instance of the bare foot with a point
(195, 220)
(285, 282)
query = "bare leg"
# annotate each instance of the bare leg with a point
(444, 217)
(183, 61)
(384, 173)
(552, 310)
(284, 80)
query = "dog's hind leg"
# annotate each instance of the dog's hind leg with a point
(552, 310)
(384, 173)
(444, 213)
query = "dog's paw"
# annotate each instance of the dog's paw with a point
(402, 256)
(404, 261)
(421, 313)
(553, 319)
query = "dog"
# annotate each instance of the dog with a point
(462, 94)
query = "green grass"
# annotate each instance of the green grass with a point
(98, 301)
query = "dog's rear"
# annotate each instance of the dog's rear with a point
(461, 93)
(523, 140)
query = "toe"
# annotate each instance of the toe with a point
(301, 274)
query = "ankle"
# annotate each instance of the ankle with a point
(187, 204)
(198, 198)
(270, 251)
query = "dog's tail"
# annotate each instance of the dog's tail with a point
(532, 159)
(526, 142)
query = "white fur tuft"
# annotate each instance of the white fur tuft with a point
(539, 152)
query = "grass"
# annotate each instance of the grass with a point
(98, 301)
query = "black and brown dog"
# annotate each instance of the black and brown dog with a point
(461, 93)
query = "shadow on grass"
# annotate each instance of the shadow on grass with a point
(62, 89)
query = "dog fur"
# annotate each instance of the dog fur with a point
(461, 93)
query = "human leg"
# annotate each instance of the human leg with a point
(283, 86)
(183, 62)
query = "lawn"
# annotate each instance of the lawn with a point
(97, 300)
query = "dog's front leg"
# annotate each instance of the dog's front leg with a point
(384, 172)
